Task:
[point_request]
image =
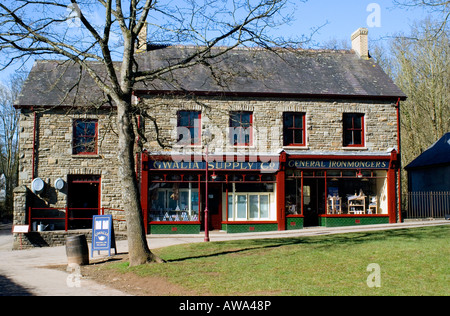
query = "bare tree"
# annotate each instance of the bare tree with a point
(419, 63)
(9, 118)
(421, 68)
(439, 8)
(105, 30)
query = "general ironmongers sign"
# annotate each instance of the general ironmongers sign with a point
(213, 165)
(338, 164)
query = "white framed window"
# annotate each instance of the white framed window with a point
(244, 206)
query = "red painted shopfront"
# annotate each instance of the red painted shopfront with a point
(281, 192)
(243, 194)
(341, 190)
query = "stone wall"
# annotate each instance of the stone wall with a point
(54, 131)
(54, 159)
(323, 122)
(53, 238)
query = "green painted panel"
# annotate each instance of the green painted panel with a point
(248, 228)
(294, 223)
(175, 229)
(352, 221)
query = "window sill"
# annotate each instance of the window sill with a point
(250, 146)
(88, 156)
(354, 148)
(187, 146)
(296, 147)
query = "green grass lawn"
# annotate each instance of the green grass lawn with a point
(412, 262)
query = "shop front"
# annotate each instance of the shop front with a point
(340, 190)
(241, 196)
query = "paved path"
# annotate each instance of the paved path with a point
(24, 272)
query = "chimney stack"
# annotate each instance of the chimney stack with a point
(360, 43)
(141, 45)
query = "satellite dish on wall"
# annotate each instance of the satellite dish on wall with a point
(59, 184)
(37, 186)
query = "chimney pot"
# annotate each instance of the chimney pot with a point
(360, 42)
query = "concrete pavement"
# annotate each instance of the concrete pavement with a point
(26, 272)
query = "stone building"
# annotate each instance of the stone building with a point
(290, 138)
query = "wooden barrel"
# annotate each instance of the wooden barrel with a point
(77, 250)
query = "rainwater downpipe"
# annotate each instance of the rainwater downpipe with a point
(34, 145)
(399, 158)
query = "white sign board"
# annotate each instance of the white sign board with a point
(21, 229)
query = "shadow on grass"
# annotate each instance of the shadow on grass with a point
(216, 249)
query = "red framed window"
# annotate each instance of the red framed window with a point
(189, 127)
(353, 129)
(85, 134)
(294, 129)
(241, 128)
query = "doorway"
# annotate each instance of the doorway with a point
(313, 200)
(214, 206)
(83, 199)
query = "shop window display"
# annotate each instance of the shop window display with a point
(347, 192)
(174, 202)
(364, 194)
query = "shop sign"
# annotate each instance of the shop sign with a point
(213, 165)
(103, 234)
(339, 164)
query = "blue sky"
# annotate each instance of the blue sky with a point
(341, 19)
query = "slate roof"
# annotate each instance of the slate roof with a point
(290, 73)
(436, 154)
(59, 83)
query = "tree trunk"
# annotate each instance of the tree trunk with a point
(139, 252)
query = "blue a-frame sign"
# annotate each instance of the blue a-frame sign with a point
(103, 234)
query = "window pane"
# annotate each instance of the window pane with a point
(253, 199)
(230, 206)
(288, 120)
(160, 203)
(348, 140)
(245, 119)
(357, 121)
(190, 120)
(264, 206)
(183, 202)
(194, 201)
(235, 119)
(357, 138)
(298, 135)
(247, 137)
(288, 137)
(241, 206)
(298, 120)
(172, 203)
(348, 121)
(192, 133)
(183, 118)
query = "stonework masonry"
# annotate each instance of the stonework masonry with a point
(53, 156)
(323, 122)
